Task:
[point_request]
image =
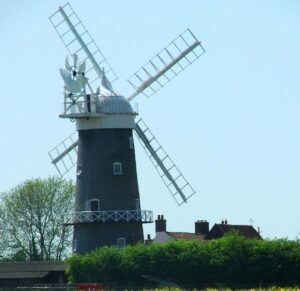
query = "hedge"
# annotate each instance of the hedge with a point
(230, 261)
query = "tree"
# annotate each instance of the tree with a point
(31, 219)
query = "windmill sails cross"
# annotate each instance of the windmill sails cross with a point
(161, 69)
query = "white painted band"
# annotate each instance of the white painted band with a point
(107, 121)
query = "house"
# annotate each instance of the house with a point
(202, 231)
(218, 230)
(162, 235)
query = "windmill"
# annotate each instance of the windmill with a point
(107, 205)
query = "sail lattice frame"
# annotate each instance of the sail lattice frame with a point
(77, 40)
(178, 186)
(166, 65)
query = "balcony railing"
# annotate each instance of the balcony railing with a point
(83, 108)
(143, 216)
(79, 107)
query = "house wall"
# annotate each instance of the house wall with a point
(162, 237)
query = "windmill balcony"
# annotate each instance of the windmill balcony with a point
(70, 107)
(112, 216)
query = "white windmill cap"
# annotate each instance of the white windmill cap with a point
(114, 104)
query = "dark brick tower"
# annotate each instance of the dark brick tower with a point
(107, 206)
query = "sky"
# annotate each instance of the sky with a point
(230, 121)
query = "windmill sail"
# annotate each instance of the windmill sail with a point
(78, 41)
(178, 186)
(64, 155)
(167, 64)
(161, 69)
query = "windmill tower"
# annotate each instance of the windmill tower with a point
(107, 200)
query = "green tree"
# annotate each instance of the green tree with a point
(31, 219)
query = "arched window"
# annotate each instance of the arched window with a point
(79, 170)
(117, 168)
(121, 242)
(93, 205)
(131, 146)
(74, 247)
(137, 204)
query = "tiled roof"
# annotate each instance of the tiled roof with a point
(186, 235)
(32, 266)
(245, 230)
(23, 275)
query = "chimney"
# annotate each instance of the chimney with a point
(148, 241)
(160, 224)
(201, 227)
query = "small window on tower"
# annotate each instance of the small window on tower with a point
(74, 247)
(117, 168)
(121, 242)
(131, 142)
(94, 205)
(79, 170)
(137, 204)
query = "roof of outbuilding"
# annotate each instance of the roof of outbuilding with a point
(29, 269)
(186, 235)
(23, 275)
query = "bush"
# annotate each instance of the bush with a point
(230, 261)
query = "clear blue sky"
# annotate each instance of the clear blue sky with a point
(230, 122)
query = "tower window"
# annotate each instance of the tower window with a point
(117, 168)
(79, 170)
(74, 247)
(137, 204)
(121, 242)
(131, 146)
(93, 205)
